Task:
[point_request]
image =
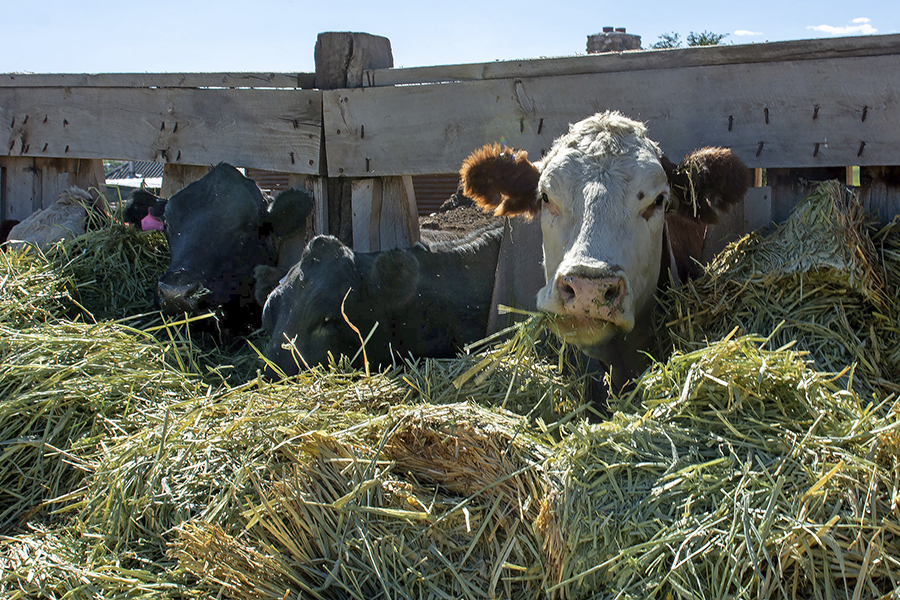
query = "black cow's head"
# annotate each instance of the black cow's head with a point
(219, 228)
(303, 308)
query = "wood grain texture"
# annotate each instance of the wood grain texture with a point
(160, 80)
(277, 130)
(805, 113)
(610, 62)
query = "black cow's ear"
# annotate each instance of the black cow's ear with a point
(394, 277)
(265, 280)
(288, 212)
(707, 181)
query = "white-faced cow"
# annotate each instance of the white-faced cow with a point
(616, 216)
(426, 302)
(219, 229)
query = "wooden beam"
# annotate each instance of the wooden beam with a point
(611, 62)
(807, 113)
(277, 130)
(160, 80)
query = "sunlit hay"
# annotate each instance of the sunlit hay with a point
(199, 458)
(114, 269)
(825, 279)
(63, 388)
(60, 563)
(31, 291)
(521, 369)
(347, 522)
(730, 472)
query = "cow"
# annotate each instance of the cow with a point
(618, 220)
(420, 301)
(64, 219)
(219, 229)
(145, 211)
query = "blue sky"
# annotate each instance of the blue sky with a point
(99, 36)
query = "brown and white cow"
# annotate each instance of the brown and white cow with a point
(616, 217)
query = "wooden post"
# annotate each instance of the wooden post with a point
(368, 214)
(31, 184)
(176, 177)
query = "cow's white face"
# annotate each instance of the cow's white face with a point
(602, 219)
(602, 192)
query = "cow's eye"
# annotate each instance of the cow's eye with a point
(660, 200)
(544, 198)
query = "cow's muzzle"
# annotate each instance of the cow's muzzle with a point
(179, 292)
(600, 298)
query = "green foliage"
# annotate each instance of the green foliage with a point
(668, 40)
(704, 38)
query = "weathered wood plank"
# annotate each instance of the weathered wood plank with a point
(816, 49)
(807, 113)
(366, 203)
(18, 188)
(278, 130)
(160, 80)
(31, 184)
(399, 219)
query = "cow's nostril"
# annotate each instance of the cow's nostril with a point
(566, 290)
(611, 295)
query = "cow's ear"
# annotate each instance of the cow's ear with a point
(707, 182)
(502, 180)
(288, 212)
(265, 280)
(394, 277)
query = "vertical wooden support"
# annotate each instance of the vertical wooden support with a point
(30, 184)
(176, 177)
(341, 60)
(384, 213)
(18, 187)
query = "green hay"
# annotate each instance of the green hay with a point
(731, 472)
(151, 464)
(826, 279)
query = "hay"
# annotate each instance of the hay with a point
(731, 472)
(826, 279)
(153, 464)
(409, 513)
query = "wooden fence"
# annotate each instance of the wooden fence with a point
(357, 130)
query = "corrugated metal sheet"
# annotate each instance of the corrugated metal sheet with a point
(135, 169)
(431, 190)
(434, 190)
(268, 181)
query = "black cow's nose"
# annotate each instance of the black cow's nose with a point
(178, 292)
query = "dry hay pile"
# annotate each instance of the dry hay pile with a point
(134, 468)
(731, 472)
(827, 279)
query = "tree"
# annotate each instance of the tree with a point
(704, 38)
(667, 40)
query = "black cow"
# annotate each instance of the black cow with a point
(219, 228)
(144, 210)
(426, 302)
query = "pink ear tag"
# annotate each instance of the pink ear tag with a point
(150, 222)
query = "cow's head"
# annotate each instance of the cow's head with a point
(219, 228)
(305, 307)
(603, 192)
